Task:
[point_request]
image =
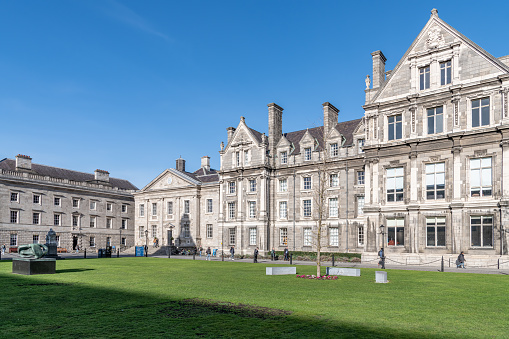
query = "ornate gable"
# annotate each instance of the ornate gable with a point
(170, 179)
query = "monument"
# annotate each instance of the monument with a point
(32, 259)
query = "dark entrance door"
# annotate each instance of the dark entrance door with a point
(74, 242)
(170, 236)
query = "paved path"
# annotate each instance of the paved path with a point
(477, 270)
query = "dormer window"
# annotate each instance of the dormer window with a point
(334, 150)
(360, 143)
(307, 153)
(480, 112)
(284, 158)
(424, 77)
(445, 72)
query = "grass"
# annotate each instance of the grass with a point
(145, 298)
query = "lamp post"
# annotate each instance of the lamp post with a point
(382, 227)
(146, 243)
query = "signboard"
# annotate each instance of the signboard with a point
(139, 251)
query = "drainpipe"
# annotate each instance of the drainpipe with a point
(347, 233)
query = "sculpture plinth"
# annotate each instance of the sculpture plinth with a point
(30, 266)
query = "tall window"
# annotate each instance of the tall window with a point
(435, 231)
(186, 231)
(360, 205)
(35, 239)
(124, 224)
(142, 231)
(109, 206)
(252, 185)
(283, 236)
(237, 158)
(307, 153)
(13, 240)
(154, 208)
(209, 205)
(14, 217)
(109, 222)
(36, 218)
(481, 231)
(284, 157)
(56, 201)
(424, 78)
(308, 240)
(123, 241)
(209, 231)
(92, 242)
(307, 183)
(435, 181)
(283, 185)
(231, 187)
(154, 231)
(334, 150)
(169, 206)
(231, 210)
(395, 232)
(395, 184)
(334, 180)
(252, 209)
(360, 177)
(480, 177)
(92, 205)
(108, 241)
(445, 72)
(252, 236)
(480, 112)
(435, 120)
(37, 199)
(75, 202)
(231, 237)
(333, 236)
(186, 206)
(395, 126)
(246, 157)
(56, 219)
(142, 210)
(92, 221)
(360, 236)
(307, 208)
(333, 207)
(283, 209)
(360, 145)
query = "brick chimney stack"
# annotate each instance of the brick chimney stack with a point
(180, 165)
(23, 162)
(101, 175)
(330, 116)
(378, 68)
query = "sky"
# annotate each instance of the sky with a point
(129, 86)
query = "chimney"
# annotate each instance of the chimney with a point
(23, 162)
(101, 175)
(205, 163)
(330, 116)
(378, 68)
(181, 165)
(275, 127)
(230, 130)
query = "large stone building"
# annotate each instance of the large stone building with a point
(86, 210)
(428, 161)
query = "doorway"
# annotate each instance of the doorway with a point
(169, 238)
(74, 242)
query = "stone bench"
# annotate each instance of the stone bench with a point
(348, 272)
(280, 270)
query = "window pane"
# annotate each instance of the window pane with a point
(440, 236)
(399, 133)
(485, 113)
(400, 236)
(440, 124)
(431, 125)
(430, 236)
(475, 117)
(476, 235)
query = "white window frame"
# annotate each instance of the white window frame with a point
(284, 157)
(210, 231)
(169, 207)
(232, 187)
(123, 224)
(232, 235)
(57, 201)
(307, 208)
(435, 223)
(109, 222)
(283, 236)
(480, 111)
(13, 239)
(93, 221)
(395, 126)
(246, 157)
(109, 206)
(39, 198)
(360, 145)
(75, 203)
(252, 209)
(361, 177)
(334, 150)
(307, 183)
(252, 185)
(14, 197)
(14, 217)
(252, 236)
(76, 218)
(231, 210)
(445, 72)
(36, 220)
(283, 210)
(435, 180)
(283, 185)
(334, 180)
(187, 206)
(481, 177)
(334, 236)
(92, 241)
(483, 225)
(307, 154)
(424, 77)
(124, 208)
(434, 114)
(360, 205)
(333, 207)
(93, 205)
(209, 206)
(360, 236)
(142, 210)
(154, 208)
(397, 225)
(395, 181)
(307, 236)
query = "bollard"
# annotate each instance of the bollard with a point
(85, 254)
(333, 260)
(291, 258)
(222, 256)
(449, 262)
(498, 264)
(442, 265)
(169, 252)
(118, 252)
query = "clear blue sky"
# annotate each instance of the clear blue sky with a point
(129, 86)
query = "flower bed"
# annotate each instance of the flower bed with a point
(323, 277)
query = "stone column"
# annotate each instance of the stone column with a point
(376, 190)
(367, 182)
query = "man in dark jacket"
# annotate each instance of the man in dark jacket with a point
(232, 252)
(286, 254)
(461, 261)
(256, 255)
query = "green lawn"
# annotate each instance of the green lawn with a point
(149, 297)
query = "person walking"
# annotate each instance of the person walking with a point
(256, 255)
(3, 249)
(286, 254)
(460, 263)
(208, 253)
(273, 254)
(232, 252)
(381, 254)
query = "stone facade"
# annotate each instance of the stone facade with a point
(85, 210)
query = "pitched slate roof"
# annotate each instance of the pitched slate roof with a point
(61, 173)
(205, 176)
(346, 128)
(257, 134)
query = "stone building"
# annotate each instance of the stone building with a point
(86, 210)
(179, 208)
(437, 161)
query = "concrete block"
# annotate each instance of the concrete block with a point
(280, 270)
(381, 277)
(347, 272)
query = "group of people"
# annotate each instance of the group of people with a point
(460, 262)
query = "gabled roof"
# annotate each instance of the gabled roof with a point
(61, 173)
(346, 128)
(206, 176)
(434, 19)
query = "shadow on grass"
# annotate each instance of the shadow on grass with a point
(79, 310)
(74, 270)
